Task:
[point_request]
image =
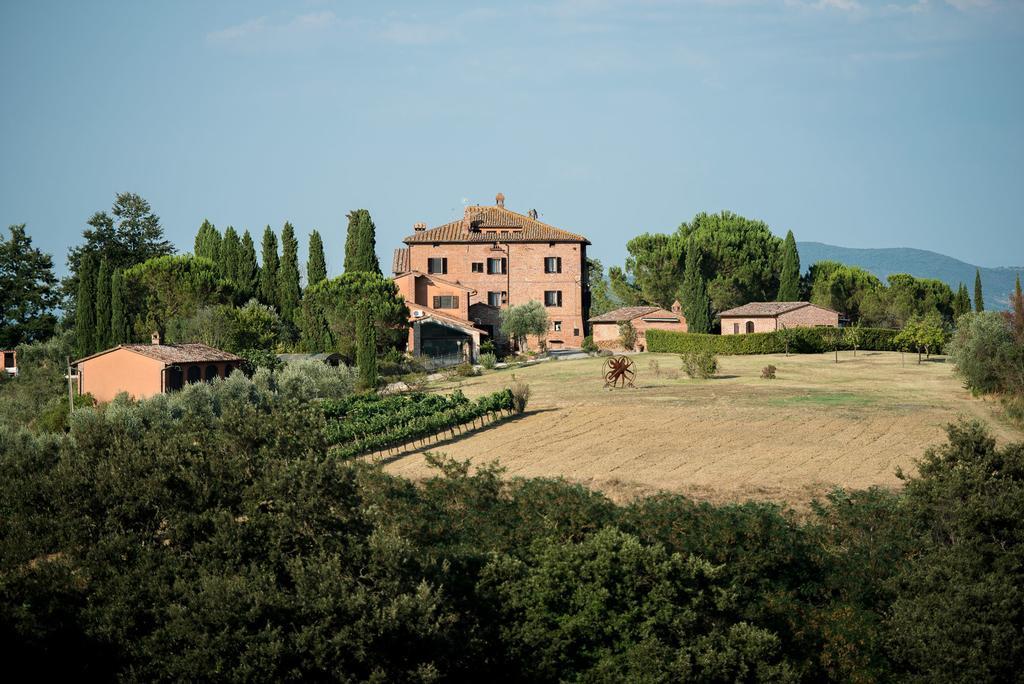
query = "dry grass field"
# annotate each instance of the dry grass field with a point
(819, 425)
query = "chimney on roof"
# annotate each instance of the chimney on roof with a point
(677, 308)
(532, 213)
(500, 199)
(155, 339)
(419, 226)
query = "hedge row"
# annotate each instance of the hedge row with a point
(801, 341)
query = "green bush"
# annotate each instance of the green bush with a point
(700, 364)
(588, 344)
(801, 341)
(488, 360)
(466, 370)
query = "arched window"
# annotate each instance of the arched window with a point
(211, 373)
(194, 374)
(174, 378)
(750, 326)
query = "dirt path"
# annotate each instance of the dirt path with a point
(819, 425)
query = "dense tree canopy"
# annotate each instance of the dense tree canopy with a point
(28, 290)
(361, 243)
(601, 298)
(268, 268)
(167, 288)
(840, 287)
(694, 296)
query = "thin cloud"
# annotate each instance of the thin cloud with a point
(405, 33)
(262, 32)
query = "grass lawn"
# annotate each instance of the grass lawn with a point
(818, 425)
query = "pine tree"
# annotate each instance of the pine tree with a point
(789, 278)
(361, 243)
(316, 265)
(979, 299)
(288, 290)
(85, 307)
(208, 242)
(695, 301)
(366, 348)
(248, 269)
(268, 272)
(103, 301)
(230, 262)
(118, 313)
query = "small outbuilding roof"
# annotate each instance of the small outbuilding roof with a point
(627, 313)
(193, 352)
(400, 261)
(766, 309)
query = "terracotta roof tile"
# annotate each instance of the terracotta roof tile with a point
(476, 220)
(626, 313)
(769, 309)
(400, 261)
(181, 353)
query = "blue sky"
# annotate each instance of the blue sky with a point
(854, 122)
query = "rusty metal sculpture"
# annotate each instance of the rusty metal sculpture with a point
(619, 370)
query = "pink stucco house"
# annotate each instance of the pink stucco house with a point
(772, 316)
(605, 328)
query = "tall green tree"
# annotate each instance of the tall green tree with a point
(268, 270)
(128, 235)
(172, 287)
(979, 299)
(328, 320)
(85, 307)
(961, 302)
(518, 322)
(841, 287)
(248, 276)
(230, 262)
(789, 277)
(208, 242)
(361, 243)
(103, 302)
(624, 290)
(316, 265)
(601, 300)
(655, 267)
(289, 293)
(119, 326)
(695, 301)
(366, 350)
(28, 291)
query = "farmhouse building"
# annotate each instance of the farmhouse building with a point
(771, 316)
(144, 370)
(605, 328)
(9, 361)
(458, 277)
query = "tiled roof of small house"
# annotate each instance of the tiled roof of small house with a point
(513, 227)
(400, 261)
(193, 352)
(764, 309)
(626, 313)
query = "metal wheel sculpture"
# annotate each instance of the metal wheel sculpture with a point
(620, 370)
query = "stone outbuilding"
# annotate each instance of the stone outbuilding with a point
(145, 370)
(605, 328)
(772, 316)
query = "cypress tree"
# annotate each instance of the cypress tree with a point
(248, 269)
(366, 348)
(118, 313)
(268, 272)
(316, 265)
(961, 302)
(208, 242)
(288, 291)
(230, 262)
(695, 301)
(789, 278)
(361, 243)
(103, 302)
(979, 299)
(85, 307)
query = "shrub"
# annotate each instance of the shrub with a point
(654, 367)
(768, 372)
(466, 370)
(520, 395)
(488, 347)
(700, 364)
(588, 344)
(980, 349)
(308, 379)
(488, 360)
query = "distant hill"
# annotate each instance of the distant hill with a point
(997, 283)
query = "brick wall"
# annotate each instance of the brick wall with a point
(524, 280)
(607, 336)
(761, 324)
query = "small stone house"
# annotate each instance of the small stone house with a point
(772, 316)
(145, 370)
(605, 328)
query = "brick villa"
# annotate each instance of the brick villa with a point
(457, 277)
(771, 316)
